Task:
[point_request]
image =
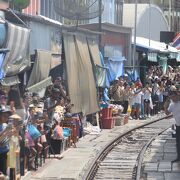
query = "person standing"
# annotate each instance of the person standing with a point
(126, 97)
(147, 100)
(138, 95)
(4, 148)
(172, 105)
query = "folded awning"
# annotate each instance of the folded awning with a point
(42, 84)
(10, 81)
(18, 43)
(41, 67)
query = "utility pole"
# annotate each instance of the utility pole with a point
(135, 27)
(170, 7)
(149, 22)
(100, 22)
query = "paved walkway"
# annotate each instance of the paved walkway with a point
(157, 161)
(76, 161)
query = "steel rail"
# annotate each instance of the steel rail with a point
(89, 175)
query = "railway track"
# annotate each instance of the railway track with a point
(122, 158)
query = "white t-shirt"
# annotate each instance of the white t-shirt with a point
(174, 108)
(156, 88)
(138, 97)
(147, 95)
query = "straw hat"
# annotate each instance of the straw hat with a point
(15, 117)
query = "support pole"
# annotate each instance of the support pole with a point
(149, 23)
(100, 21)
(170, 7)
(135, 27)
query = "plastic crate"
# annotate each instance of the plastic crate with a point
(108, 123)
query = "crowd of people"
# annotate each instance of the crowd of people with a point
(29, 124)
(144, 100)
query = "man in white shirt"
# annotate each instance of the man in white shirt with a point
(173, 106)
(138, 95)
(147, 100)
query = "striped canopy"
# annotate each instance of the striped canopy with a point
(18, 44)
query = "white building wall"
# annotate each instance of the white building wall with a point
(151, 23)
(150, 20)
(108, 14)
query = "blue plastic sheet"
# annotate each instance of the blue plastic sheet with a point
(2, 57)
(116, 67)
(133, 75)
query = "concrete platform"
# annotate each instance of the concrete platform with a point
(76, 161)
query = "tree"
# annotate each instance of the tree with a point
(20, 4)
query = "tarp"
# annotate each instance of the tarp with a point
(178, 57)
(100, 71)
(18, 44)
(10, 81)
(116, 67)
(162, 60)
(41, 67)
(40, 87)
(72, 66)
(94, 51)
(81, 82)
(2, 57)
(133, 75)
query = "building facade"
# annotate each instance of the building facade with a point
(171, 9)
(42, 7)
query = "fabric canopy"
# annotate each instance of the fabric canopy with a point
(41, 67)
(81, 82)
(18, 44)
(116, 67)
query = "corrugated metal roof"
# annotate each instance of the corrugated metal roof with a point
(154, 45)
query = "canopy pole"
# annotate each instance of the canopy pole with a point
(135, 27)
(19, 19)
(100, 22)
